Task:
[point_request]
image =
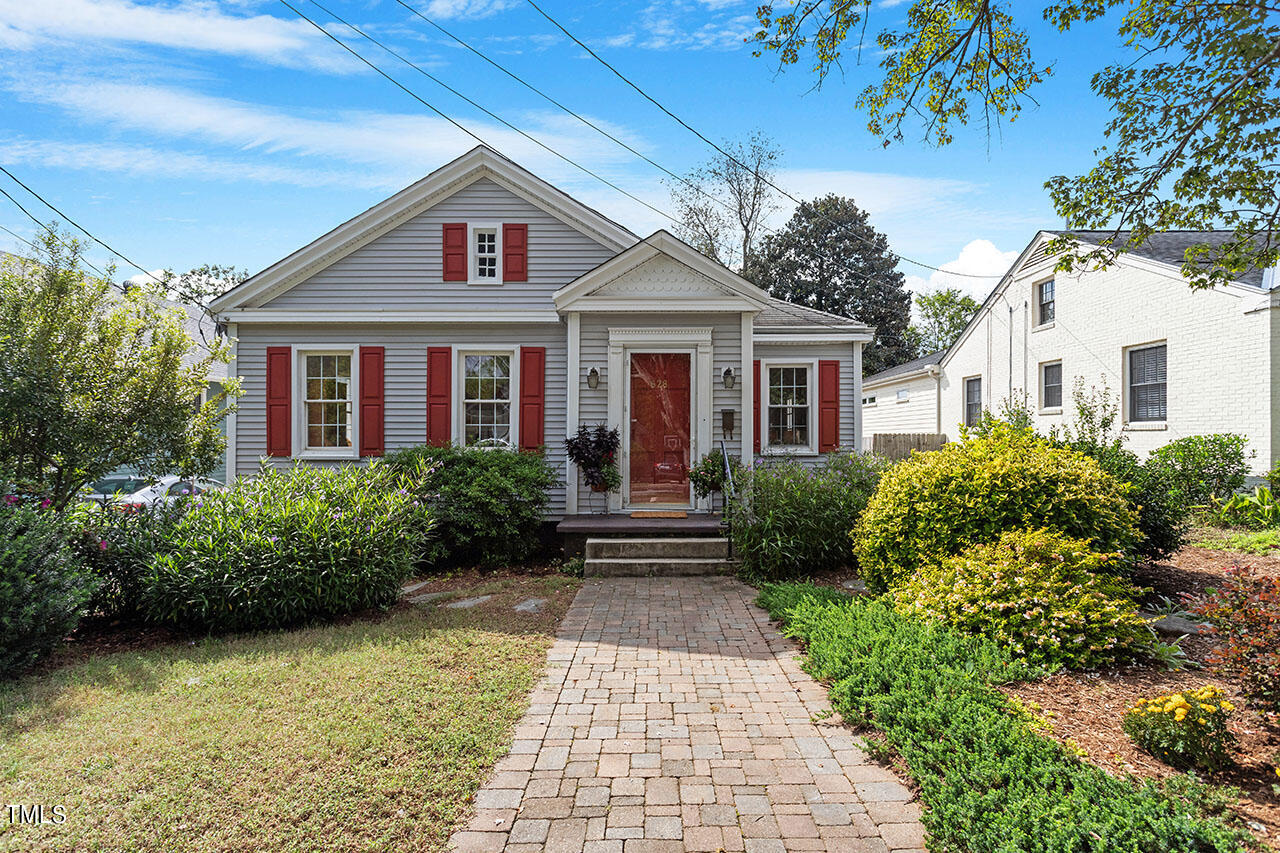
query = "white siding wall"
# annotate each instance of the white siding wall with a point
(849, 401)
(1220, 375)
(917, 414)
(726, 351)
(402, 268)
(405, 378)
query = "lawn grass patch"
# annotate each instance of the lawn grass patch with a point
(369, 735)
(990, 783)
(1246, 541)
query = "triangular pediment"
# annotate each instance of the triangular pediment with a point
(661, 277)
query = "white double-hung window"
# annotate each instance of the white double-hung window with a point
(328, 402)
(486, 399)
(789, 418)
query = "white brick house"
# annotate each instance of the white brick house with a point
(1183, 362)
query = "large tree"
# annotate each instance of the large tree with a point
(94, 376)
(829, 257)
(722, 203)
(1194, 137)
(940, 318)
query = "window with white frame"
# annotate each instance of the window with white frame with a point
(972, 401)
(789, 404)
(1046, 304)
(327, 403)
(869, 400)
(1051, 385)
(1148, 370)
(485, 264)
(486, 399)
(904, 394)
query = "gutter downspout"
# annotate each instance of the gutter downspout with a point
(935, 370)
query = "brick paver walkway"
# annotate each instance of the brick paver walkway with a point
(674, 717)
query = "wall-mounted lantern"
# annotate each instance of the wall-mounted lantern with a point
(593, 379)
(729, 378)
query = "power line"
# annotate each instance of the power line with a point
(40, 224)
(725, 153)
(47, 204)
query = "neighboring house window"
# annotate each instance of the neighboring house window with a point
(1147, 372)
(869, 401)
(328, 400)
(486, 399)
(1051, 386)
(903, 395)
(1045, 303)
(484, 254)
(972, 401)
(789, 400)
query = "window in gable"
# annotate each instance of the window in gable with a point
(485, 263)
(1046, 308)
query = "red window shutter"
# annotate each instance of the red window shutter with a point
(755, 382)
(828, 406)
(279, 401)
(515, 252)
(439, 395)
(533, 364)
(372, 401)
(455, 251)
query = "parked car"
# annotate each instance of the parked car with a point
(143, 493)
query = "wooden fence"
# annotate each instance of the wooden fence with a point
(898, 445)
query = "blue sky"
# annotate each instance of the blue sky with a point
(233, 133)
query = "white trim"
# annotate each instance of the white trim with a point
(659, 335)
(473, 257)
(1127, 391)
(825, 338)
(1062, 378)
(231, 422)
(460, 351)
(573, 376)
(480, 162)
(298, 439)
(287, 315)
(964, 399)
(857, 398)
(740, 294)
(811, 379)
(747, 376)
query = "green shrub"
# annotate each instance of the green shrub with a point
(1244, 615)
(117, 547)
(708, 476)
(1187, 729)
(1258, 510)
(1037, 593)
(43, 586)
(1162, 516)
(285, 547)
(487, 505)
(1200, 467)
(989, 783)
(936, 504)
(790, 520)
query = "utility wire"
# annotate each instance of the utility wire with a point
(781, 306)
(725, 153)
(40, 224)
(47, 204)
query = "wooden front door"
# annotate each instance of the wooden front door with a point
(660, 426)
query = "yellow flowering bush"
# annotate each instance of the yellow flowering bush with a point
(1041, 594)
(1187, 729)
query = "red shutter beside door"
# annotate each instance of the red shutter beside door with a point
(755, 383)
(515, 252)
(533, 364)
(455, 251)
(279, 401)
(439, 395)
(372, 401)
(828, 406)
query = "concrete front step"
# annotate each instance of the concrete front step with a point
(614, 567)
(683, 547)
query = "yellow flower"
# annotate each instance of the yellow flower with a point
(1180, 714)
(1227, 706)
(1208, 708)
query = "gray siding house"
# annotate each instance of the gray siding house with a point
(483, 306)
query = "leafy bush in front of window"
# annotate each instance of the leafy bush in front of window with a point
(1244, 615)
(43, 585)
(1187, 729)
(1038, 593)
(989, 783)
(286, 547)
(1203, 467)
(1162, 517)
(487, 505)
(937, 504)
(118, 546)
(789, 520)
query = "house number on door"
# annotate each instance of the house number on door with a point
(659, 384)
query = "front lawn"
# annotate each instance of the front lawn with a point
(368, 735)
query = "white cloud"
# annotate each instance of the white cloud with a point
(881, 194)
(978, 257)
(467, 8)
(197, 26)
